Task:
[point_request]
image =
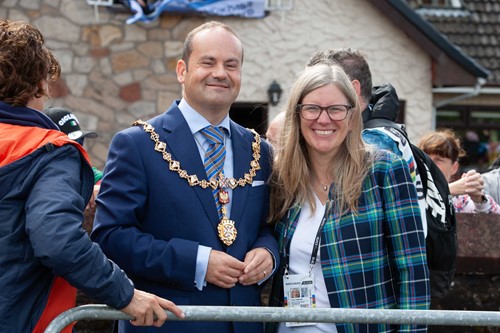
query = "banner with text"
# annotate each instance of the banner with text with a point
(149, 11)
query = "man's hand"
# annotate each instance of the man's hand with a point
(223, 270)
(258, 265)
(89, 211)
(91, 204)
(144, 306)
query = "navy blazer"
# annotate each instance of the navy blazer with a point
(150, 221)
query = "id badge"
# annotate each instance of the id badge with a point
(299, 293)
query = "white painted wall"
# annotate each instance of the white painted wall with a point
(278, 46)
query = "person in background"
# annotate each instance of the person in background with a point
(444, 147)
(492, 180)
(68, 123)
(184, 197)
(275, 126)
(46, 181)
(476, 152)
(346, 217)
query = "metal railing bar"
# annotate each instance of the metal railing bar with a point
(272, 314)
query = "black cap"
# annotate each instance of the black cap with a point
(68, 123)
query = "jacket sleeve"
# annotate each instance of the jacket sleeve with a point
(463, 204)
(492, 184)
(54, 215)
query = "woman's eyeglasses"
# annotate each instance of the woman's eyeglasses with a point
(313, 111)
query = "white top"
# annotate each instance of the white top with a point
(300, 255)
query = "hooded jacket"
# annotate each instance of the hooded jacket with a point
(45, 183)
(384, 104)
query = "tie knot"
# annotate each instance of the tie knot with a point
(213, 134)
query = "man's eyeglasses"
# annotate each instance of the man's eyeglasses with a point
(313, 111)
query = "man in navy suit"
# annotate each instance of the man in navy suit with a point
(176, 232)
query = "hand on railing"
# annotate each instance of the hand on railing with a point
(149, 309)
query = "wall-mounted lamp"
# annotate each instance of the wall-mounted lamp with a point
(274, 93)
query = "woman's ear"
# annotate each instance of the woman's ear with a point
(454, 168)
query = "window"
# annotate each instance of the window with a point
(478, 127)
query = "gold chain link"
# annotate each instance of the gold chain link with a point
(193, 180)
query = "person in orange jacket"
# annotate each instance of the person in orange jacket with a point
(46, 182)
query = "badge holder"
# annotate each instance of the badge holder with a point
(299, 293)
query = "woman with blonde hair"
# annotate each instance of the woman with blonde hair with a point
(346, 215)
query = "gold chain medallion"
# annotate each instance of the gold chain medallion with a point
(226, 229)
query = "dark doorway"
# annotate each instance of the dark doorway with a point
(250, 115)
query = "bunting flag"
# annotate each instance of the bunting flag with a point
(153, 9)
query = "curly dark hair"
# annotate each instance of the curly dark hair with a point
(25, 61)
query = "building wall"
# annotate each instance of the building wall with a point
(115, 73)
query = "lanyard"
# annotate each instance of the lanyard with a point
(317, 239)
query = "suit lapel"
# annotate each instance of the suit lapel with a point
(242, 156)
(182, 146)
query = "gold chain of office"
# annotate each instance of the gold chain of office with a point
(193, 180)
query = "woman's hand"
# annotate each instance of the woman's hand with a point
(470, 183)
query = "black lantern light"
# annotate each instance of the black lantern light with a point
(274, 93)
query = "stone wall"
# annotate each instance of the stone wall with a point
(115, 73)
(476, 286)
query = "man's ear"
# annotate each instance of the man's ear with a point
(181, 70)
(357, 87)
(43, 88)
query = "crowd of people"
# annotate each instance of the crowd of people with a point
(193, 209)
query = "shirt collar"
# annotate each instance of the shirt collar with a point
(197, 122)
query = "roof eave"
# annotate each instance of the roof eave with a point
(430, 39)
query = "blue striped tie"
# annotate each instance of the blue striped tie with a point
(214, 158)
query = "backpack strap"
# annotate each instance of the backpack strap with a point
(386, 123)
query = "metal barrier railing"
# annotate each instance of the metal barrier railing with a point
(272, 314)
